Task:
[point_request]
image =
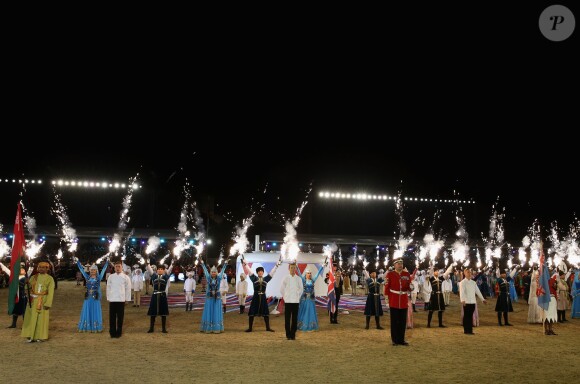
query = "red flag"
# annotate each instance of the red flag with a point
(17, 257)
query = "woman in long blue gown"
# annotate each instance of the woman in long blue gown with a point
(575, 314)
(212, 319)
(307, 318)
(91, 314)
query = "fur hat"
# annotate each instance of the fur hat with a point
(213, 269)
(93, 268)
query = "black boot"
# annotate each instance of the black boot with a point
(505, 317)
(440, 317)
(368, 322)
(243, 309)
(151, 324)
(14, 318)
(559, 316)
(163, 324)
(186, 307)
(267, 321)
(251, 324)
(429, 317)
(564, 315)
(499, 319)
(378, 321)
(414, 309)
(224, 308)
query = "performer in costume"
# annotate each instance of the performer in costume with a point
(535, 312)
(504, 302)
(242, 292)
(437, 300)
(20, 307)
(158, 306)
(189, 289)
(259, 305)
(91, 314)
(373, 306)
(224, 287)
(575, 313)
(307, 317)
(212, 318)
(36, 318)
(562, 300)
(397, 287)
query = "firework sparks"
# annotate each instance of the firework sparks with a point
(182, 243)
(241, 240)
(152, 244)
(69, 234)
(290, 249)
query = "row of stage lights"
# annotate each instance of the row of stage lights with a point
(74, 183)
(92, 184)
(20, 181)
(365, 196)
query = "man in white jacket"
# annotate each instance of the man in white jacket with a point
(118, 293)
(468, 289)
(242, 292)
(291, 290)
(224, 287)
(137, 285)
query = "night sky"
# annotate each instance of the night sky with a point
(226, 188)
(436, 101)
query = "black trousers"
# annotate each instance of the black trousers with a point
(468, 310)
(398, 324)
(116, 315)
(291, 318)
(334, 316)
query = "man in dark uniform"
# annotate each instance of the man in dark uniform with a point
(373, 306)
(437, 302)
(259, 305)
(397, 287)
(504, 302)
(158, 306)
(20, 307)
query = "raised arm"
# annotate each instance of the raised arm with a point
(247, 269)
(5, 269)
(320, 270)
(275, 268)
(514, 271)
(205, 271)
(82, 269)
(448, 270)
(103, 270)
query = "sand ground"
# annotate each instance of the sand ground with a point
(342, 353)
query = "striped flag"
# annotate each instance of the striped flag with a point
(331, 294)
(16, 258)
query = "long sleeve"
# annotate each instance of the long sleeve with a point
(478, 293)
(103, 270)
(205, 272)
(514, 271)
(82, 269)
(247, 270)
(5, 269)
(283, 286)
(463, 291)
(318, 273)
(150, 270)
(273, 270)
(448, 271)
(127, 288)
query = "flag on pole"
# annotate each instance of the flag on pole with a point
(16, 258)
(331, 294)
(543, 290)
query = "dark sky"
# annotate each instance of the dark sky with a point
(228, 184)
(431, 101)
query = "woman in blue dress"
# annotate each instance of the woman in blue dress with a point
(91, 314)
(576, 295)
(212, 319)
(307, 318)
